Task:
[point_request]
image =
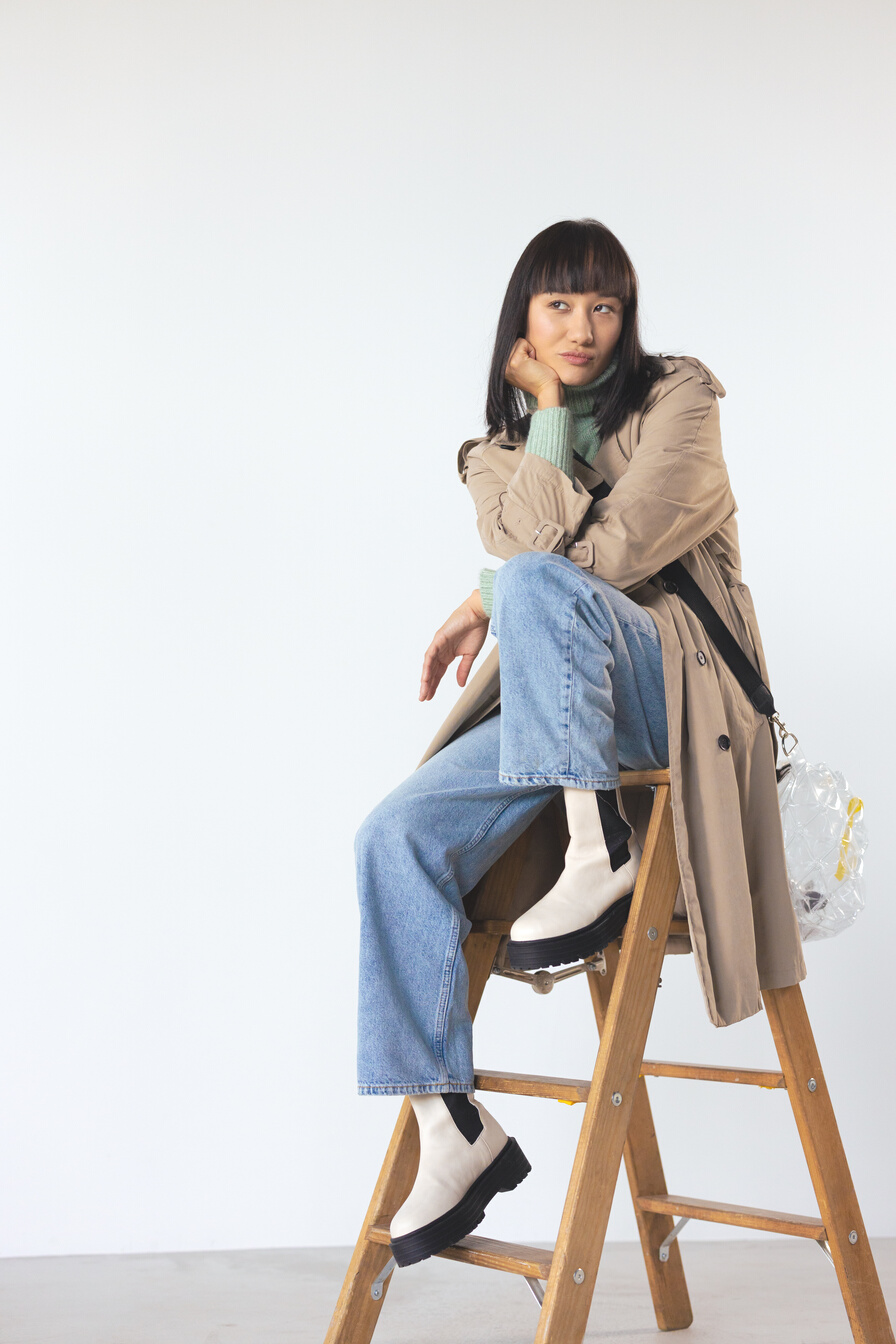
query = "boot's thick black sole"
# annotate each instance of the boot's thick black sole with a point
(538, 953)
(504, 1173)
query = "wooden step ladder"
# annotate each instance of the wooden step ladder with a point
(617, 1122)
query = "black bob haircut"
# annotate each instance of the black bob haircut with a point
(573, 256)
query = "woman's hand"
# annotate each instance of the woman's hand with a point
(463, 634)
(526, 372)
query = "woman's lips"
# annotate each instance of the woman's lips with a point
(576, 359)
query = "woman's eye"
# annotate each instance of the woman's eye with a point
(554, 303)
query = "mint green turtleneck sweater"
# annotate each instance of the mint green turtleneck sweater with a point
(556, 433)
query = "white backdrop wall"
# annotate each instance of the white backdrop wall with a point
(253, 260)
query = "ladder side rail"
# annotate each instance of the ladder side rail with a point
(567, 1301)
(644, 1168)
(826, 1159)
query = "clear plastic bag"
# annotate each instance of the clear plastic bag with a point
(824, 840)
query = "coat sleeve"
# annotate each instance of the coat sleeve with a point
(674, 494)
(538, 509)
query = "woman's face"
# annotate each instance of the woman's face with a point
(574, 334)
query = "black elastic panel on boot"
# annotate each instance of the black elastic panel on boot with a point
(464, 1114)
(616, 830)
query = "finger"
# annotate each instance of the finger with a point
(433, 655)
(433, 668)
(428, 688)
(518, 353)
(463, 670)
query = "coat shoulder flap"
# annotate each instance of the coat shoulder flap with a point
(687, 366)
(483, 447)
(462, 454)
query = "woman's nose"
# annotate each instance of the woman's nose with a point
(579, 329)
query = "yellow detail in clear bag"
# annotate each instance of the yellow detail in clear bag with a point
(853, 808)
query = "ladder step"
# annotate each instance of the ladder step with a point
(533, 1085)
(498, 927)
(531, 1261)
(661, 1068)
(739, 1215)
(577, 1089)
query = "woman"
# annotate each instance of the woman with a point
(602, 464)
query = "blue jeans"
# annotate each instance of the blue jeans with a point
(581, 691)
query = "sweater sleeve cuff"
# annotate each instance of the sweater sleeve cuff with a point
(549, 437)
(486, 589)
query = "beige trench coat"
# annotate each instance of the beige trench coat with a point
(670, 497)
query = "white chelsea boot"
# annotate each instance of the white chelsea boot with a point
(588, 905)
(465, 1160)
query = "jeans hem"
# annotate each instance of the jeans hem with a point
(410, 1089)
(569, 781)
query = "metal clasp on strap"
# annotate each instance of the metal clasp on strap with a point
(783, 733)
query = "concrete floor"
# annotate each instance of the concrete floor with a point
(775, 1290)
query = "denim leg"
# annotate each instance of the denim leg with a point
(582, 685)
(418, 853)
(581, 691)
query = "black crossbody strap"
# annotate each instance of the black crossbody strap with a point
(677, 579)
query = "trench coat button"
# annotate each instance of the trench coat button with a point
(701, 657)
(670, 585)
(724, 742)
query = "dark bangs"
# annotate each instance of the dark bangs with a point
(569, 259)
(573, 256)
